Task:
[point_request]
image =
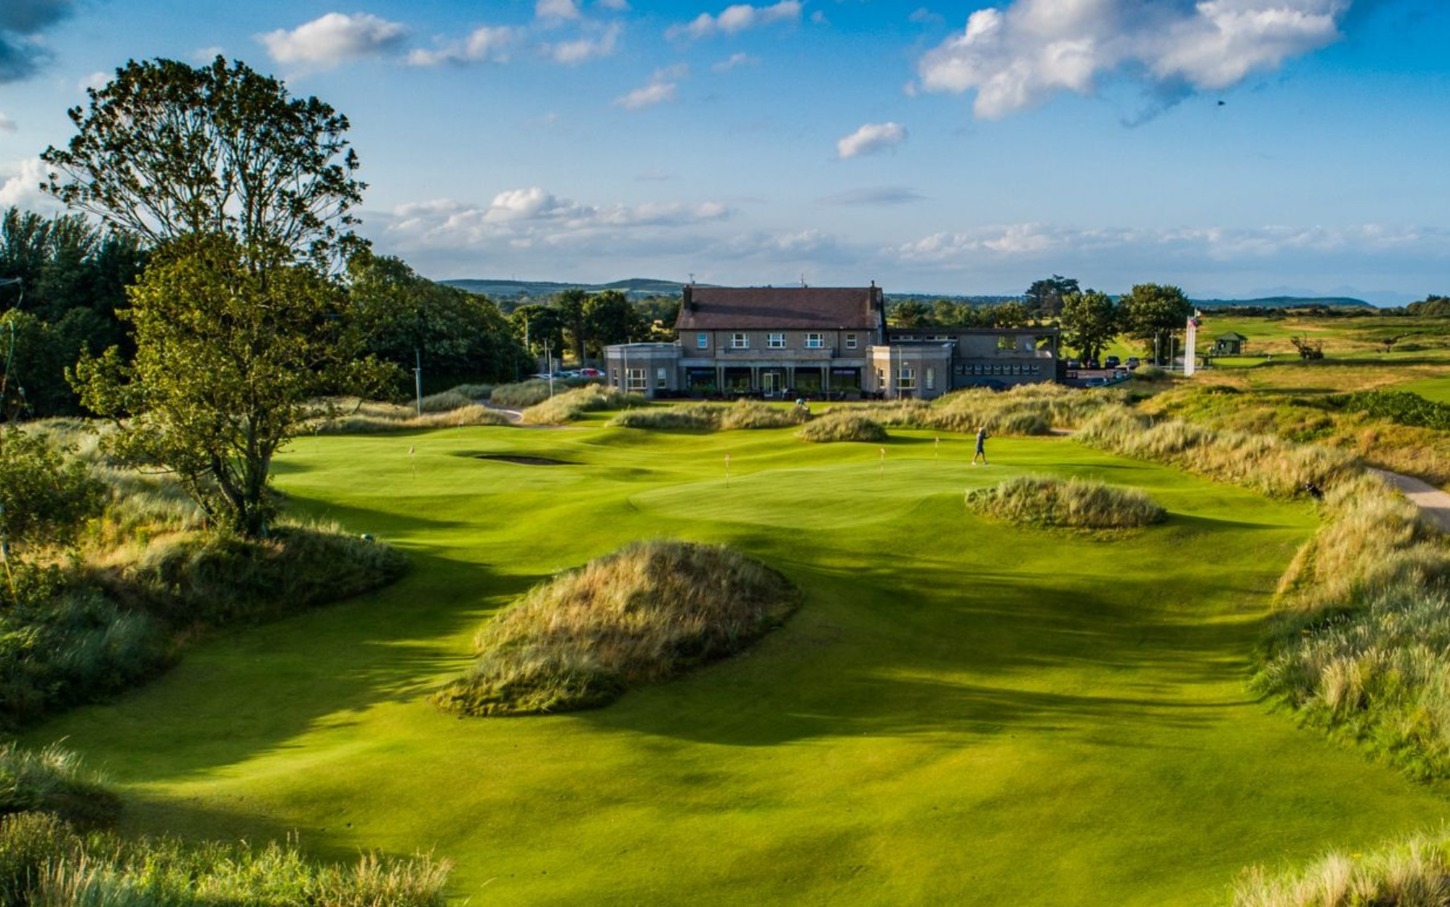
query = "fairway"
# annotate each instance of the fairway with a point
(961, 712)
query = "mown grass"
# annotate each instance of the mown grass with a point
(648, 612)
(956, 700)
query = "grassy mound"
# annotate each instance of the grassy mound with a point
(843, 425)
(573, 404)
(742, 414)
(1073, 503)
(645, 613)
(214, 580)
(523, 393)
(452, 408)
(1407, 873)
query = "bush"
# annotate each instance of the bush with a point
(843, 425)
(645, 613)
(1073, 503)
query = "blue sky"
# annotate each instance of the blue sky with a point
(1231, 147)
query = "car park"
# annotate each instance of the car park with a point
(1111, 362)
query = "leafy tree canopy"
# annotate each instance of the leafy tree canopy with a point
(166, 150)
(1044, 298)
(45, 498)
(227, 359)
(1153, 313)
(1089, 322)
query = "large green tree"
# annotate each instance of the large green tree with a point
(609, 318)
(1153, 314)
(1089, 322)
(409, 319)
(244, 192)
(166, 149)
(1045, 298)
(229, 358)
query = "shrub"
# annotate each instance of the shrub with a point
(843, 425)
(1074, 503)
(524, 393)
(752, 414)
(645, 613)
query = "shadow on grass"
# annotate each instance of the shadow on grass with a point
(961, 663)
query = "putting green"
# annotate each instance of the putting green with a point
(962, 712)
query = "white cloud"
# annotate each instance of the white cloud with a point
(483, 45)
(1019, 56)
(20, 186)
(6, 124)
(869, 139)
(556, 9)
(737, 18)
(334, 38)
(734, 61)
(96, 80)
(617, 6)
(582, 50)
(661, 88)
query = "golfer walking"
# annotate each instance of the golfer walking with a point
(981, 446)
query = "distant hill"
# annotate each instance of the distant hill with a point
(641, 287)
(635, 287)
(1286, 302)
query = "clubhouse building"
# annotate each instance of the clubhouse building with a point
(822, 342)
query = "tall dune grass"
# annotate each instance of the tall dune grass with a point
(573, 404)
(647, 612)
(843, 425)
(453, 408)
(1410, 873)
(1028, 409)
(699, 416)
(1072, 503)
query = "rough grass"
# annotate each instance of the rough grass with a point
(52, 780)
(648, 612)
(1413, 872)
(573, 404)
(45, 863)
(521, 394)
(1027, 409)
(843, 425)
(742, 414)
(450, 409)
(1074, 503)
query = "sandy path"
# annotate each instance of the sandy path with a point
(1434, 502)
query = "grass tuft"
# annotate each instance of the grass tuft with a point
(1408, 873)
(573, 404)
(645, 613)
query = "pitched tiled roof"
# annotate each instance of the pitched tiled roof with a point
(781, 308)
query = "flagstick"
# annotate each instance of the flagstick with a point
(727, 470)
(883, 461)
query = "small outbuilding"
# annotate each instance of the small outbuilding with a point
(1230, 344)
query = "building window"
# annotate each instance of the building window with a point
(850, 341)
(906, 378)
(635, 380)
(662, 378)
(881, 379)
(740, 341)
(775, 341)
(702, 341)
(814, 341)
(614, 377)
(930, 379)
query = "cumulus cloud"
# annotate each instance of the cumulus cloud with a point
(333, 39)
(1019, 56)
(20, 186)
(735, 61)
(486, 44)
(21, 23)
(587, 48)
(617, 6)
(737, 18)
(661, 88)
(870, 138)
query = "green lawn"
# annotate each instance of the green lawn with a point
(961, 712)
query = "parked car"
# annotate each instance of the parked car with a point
(590, 373)
(1111, 362)
(1134, 362)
